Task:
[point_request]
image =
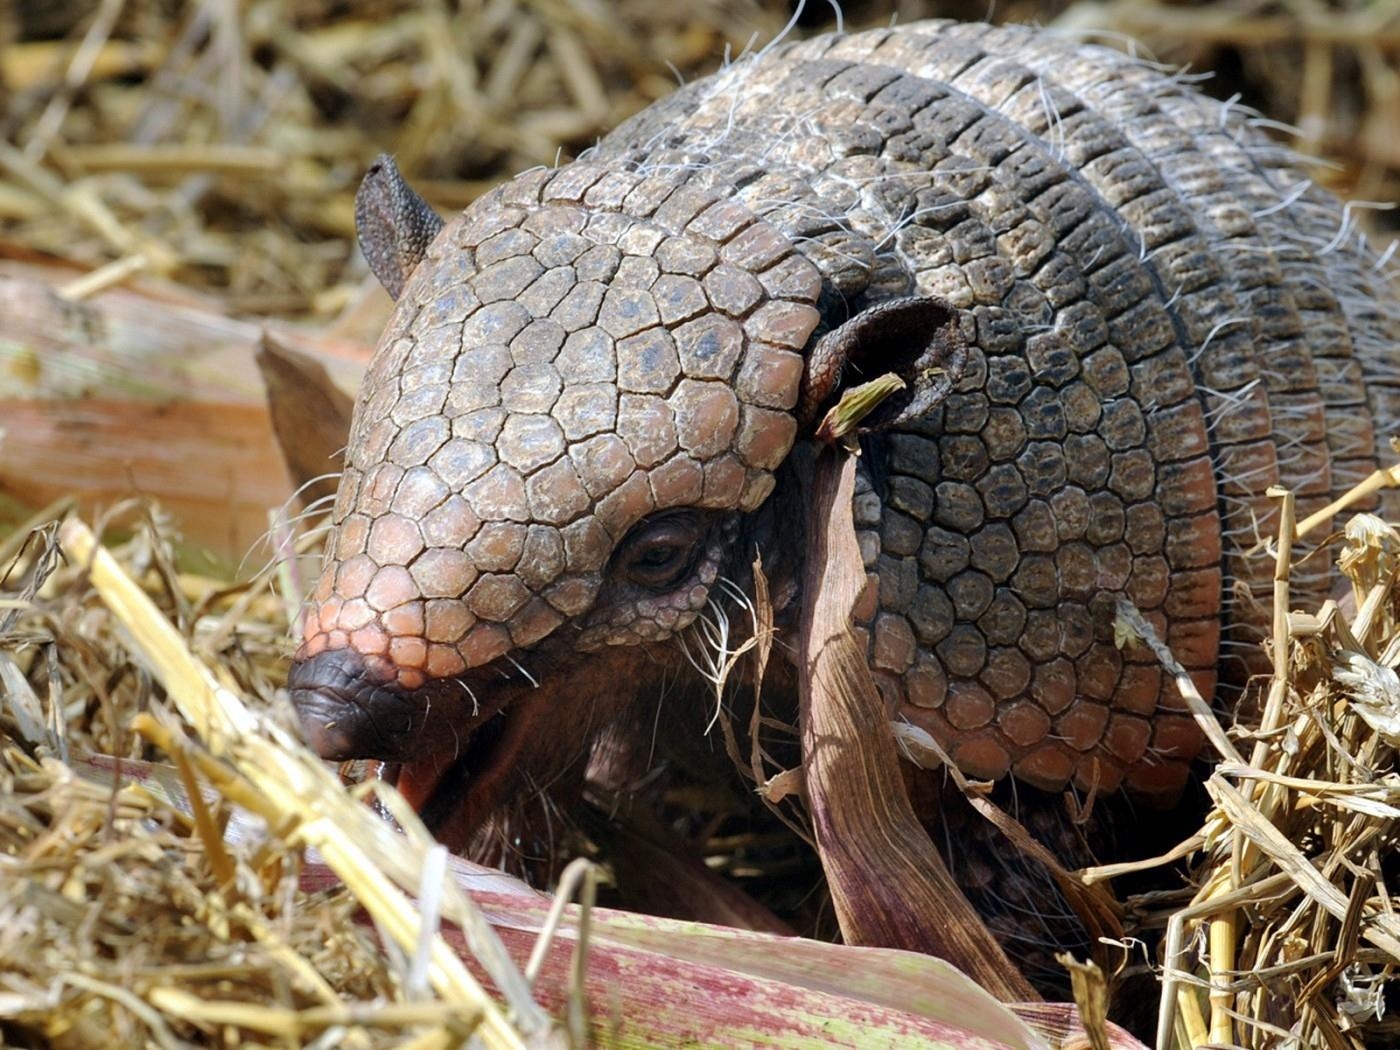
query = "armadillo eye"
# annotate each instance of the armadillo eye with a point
(658, 557)
(661, 552)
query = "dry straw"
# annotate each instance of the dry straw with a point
(237, 757)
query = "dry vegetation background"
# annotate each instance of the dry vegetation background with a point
(223, 142)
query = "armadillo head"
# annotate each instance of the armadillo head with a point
(587, 385)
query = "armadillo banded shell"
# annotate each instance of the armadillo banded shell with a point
(1170, 319)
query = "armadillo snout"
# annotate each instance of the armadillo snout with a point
(346, 714)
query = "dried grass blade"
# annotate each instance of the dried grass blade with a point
(888, 883)
(1381, 930)
(310, 416)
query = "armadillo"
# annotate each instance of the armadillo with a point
(1123, 314)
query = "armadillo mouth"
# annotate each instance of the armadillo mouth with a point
(455, 791)
(453, 757)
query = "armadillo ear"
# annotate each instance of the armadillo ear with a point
(394, 223)
(920, 340)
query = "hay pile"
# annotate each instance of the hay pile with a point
(1291, 936)
(222, 150)
(156, 908)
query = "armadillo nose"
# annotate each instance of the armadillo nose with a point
(346, 714)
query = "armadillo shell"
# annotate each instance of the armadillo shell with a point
(1167, 318)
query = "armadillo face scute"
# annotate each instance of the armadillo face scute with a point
(1153, 337)
(564, 364)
